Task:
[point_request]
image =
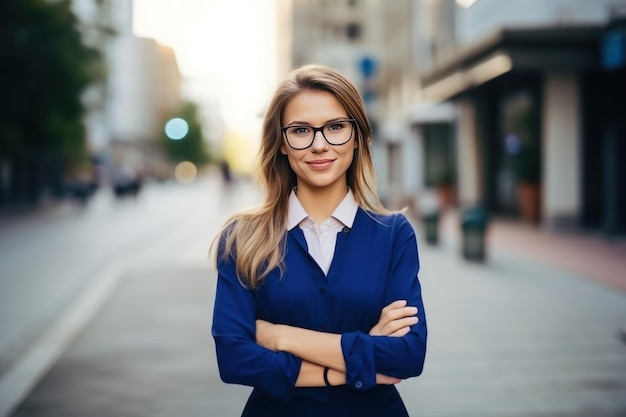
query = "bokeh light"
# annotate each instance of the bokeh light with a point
(185, 172)
(176, 128)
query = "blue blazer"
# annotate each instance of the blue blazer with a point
(376, 262)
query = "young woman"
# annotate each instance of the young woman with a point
(318, 304)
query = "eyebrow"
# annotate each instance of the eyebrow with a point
(301, 123)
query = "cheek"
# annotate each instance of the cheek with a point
(351, 156)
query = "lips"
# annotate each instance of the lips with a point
(320, 163)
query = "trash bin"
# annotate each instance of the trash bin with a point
(474, 226)
(431, 227)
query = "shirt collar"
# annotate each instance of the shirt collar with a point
(345, 211)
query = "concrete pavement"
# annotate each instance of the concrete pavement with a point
(516, 336)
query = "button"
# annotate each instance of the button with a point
(346, 229)
(325, 234)
(323, 326)
(358, 384)
(322, 291)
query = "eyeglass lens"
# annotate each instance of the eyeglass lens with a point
(335, 133)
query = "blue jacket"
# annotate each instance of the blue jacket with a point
(376, 262)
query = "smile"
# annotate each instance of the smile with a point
(321, 163)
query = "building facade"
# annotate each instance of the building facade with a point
(515, 106)
(366, 40)
(538, 128)
(141, 91)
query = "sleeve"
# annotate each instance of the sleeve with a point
(240, 359)
(401, 357)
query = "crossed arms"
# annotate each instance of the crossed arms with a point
(318, 350)
(276, 358)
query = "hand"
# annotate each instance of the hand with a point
(267, 334)
(395, 320)
(386, 380)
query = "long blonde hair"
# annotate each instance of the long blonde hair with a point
(256, 237)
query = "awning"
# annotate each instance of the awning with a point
(570, 48)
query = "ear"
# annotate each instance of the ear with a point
(283, 149)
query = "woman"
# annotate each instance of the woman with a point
(318, 305)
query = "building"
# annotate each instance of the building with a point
(141, 91)
(368, 42)
(515, 106)
(145, 93)
(538, 89)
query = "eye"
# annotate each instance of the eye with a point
(299, 130)
(335, 126)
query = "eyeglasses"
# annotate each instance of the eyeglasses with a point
(335, 133)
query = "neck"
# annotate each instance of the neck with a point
(319, 203)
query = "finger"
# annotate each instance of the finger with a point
(402, 332)
(399, 324)
(394, 305)
(399, 313)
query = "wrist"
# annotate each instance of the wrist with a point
(335, 377)
(325, 376)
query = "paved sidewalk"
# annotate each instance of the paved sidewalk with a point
(591, 255)
(516, 336)
(148, 352)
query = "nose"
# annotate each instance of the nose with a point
(319, 142)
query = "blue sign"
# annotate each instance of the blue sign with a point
(367, 65)
(613, 49)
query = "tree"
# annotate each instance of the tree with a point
(192, 147)
(44, 69)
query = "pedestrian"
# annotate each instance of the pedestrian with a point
(318, 304)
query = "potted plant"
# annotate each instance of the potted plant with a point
(528, 174)
(446, 189)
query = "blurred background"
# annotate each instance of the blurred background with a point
(128, 131)
(518, 108)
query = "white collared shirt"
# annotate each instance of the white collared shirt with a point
(321, 239)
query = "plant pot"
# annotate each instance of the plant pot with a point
(529, 202)
(446, 195)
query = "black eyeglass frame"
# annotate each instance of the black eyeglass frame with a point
(318, 129)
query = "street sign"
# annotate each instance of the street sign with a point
(367, 66)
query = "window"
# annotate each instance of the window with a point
(353, 31)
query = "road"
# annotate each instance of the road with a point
(49, 257)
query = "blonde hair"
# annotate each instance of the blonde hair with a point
(256, 237)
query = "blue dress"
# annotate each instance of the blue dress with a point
(375, 263)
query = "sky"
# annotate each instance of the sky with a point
(224, 49)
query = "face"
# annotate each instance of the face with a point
(322, 165)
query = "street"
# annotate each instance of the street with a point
(123, 291)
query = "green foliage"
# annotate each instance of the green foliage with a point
(192, 147)
(44, 69)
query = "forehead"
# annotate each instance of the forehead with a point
(313, 107)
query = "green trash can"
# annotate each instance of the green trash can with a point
(474, 227)
(431, 227)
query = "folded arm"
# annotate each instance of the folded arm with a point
(363, 357)
(240, 359)
(319, 350)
